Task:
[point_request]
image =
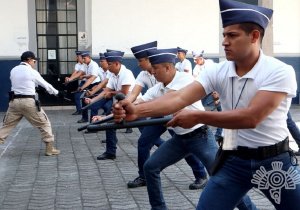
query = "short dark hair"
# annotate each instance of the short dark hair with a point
(249, 27)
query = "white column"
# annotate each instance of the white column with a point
(267, 44)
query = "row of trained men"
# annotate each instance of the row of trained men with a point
(255, 91)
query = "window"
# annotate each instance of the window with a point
(56, 35)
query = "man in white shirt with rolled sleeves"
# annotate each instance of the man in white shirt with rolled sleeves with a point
(22, 103)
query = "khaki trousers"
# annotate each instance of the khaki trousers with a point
(25, 107)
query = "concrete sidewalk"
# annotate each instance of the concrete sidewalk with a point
(76, 180)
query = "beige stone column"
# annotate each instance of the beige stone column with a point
(267, 44)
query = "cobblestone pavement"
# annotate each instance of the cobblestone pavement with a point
(76, 180)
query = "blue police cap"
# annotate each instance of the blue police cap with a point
(157, 56)
(77, 52)
(233, 12)
(179, 49)
(85, 53)
(114, 56)
(101, 56)
(140, 51)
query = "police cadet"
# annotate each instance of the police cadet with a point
(200, 62)
(121, 81)
(24, 78)
(256, 92)
(92, 78)
(184, 65)
(150, 135)
(104, 75)
(79, 70)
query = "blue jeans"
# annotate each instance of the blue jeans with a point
(85, 113)
(293, 128)
(235, 178)
(150, 136)
(202, 145)
(77, 98)
(105, 104)
(111, 141)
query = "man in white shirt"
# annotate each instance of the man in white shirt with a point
(79, 70)
(200, 62)
(184, 65)
(256, 92)
(150, 135)
(104, 75)
(92, 78)
(22, 102)
(198, 140)
(121, 81)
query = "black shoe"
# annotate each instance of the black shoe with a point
(198, 184)
(128, 130)
(103, 141)
(106, 156)
(82, 121)
(77, 113)
(138, 182)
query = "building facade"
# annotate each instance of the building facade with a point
(54, 29)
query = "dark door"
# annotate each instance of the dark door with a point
(56, 26)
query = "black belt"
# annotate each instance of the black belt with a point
(24, 96)
(261, 153)
(201, 129)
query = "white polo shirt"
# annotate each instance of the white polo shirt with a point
(104, 74)
(124, 77)
(93, 69)
(185, 64)
(180, 80)
(198, 68)
(24, 79)
(268, 74)
(80, 67)
(145, 79)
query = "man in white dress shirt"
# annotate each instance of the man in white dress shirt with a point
(22, 102)
(184, 65)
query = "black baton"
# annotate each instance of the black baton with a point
(103, 120)
(133, 124)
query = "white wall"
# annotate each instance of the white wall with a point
(190, 24)
(14, 28)
(286, 26)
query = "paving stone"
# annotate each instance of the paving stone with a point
(76, 180)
